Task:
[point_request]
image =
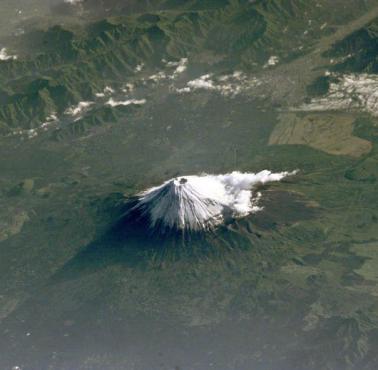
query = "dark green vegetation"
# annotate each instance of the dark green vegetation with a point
(359, 50)
(62, 65)
(293, 287)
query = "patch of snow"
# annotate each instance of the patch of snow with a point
(197, 203)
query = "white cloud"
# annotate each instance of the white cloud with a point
(199, 202)
(180, 67)
(76, 110)
(226, 85)
(5, 56)
(139, 67)
(73, 2)
(350, 92)
(115, 103)
(31, 133)
(272, 61)
(129, 87)
(50, 120)
(107, 91)
(203, 82)
(159, 76)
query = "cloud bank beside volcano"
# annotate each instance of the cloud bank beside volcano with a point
(196, 203)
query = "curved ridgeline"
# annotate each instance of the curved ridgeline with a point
(70, 64)
(359, 51)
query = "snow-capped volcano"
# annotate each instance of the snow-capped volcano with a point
(197, 203)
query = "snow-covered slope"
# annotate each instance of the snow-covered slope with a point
(197, 203)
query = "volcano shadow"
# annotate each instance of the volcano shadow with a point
(126, 241)
(130, 241)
